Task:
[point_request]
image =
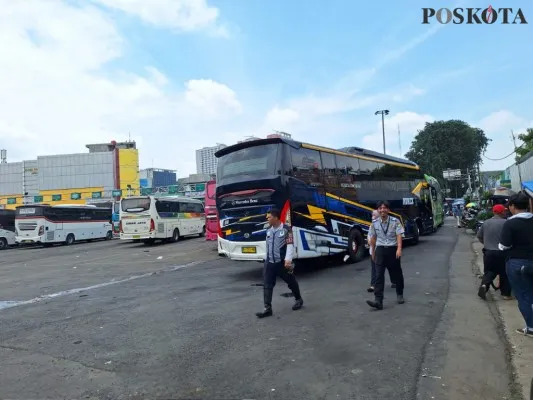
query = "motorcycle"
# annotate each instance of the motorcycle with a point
(477, 226)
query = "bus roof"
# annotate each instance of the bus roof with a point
(353, 151)
(166, 198)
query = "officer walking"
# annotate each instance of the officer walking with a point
(386, 243)
(278, 262)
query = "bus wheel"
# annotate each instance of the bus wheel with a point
(175, 236)
(70, 239)
(416, 237)
(356, 248)
(3, 243)
(109, 235)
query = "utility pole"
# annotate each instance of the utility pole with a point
(383, 113)
(517, 163)
(469, 181)
(400, 141)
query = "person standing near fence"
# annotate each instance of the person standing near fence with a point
(517, 241)
(386, 244)
(493, 258)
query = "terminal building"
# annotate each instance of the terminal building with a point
(108, 171)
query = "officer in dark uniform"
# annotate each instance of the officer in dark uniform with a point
(278, 262)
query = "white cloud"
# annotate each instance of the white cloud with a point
(182, 15)
(59, 96)
(498, 127)
(214, 98)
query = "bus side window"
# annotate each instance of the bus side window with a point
(306, 166)
(348, 170)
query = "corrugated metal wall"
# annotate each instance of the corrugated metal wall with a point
(11, 178)
(76, 171)
(526, 170)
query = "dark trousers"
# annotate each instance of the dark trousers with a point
(373, 274)
(386, 259)
(522, 285)
(494, 265)
(272, 270)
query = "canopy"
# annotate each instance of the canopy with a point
(528, 187)
(501, 192)
(471, 205)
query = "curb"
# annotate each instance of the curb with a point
(519, 350)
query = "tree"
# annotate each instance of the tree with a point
(527, 146)
(448, 144)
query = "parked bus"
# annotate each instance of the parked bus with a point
(7, 228)
(115, 211)
(326, 195)
(149, 218)
(45, 224)
(211, 217)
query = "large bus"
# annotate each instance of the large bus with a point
(46, 224)
(326, 195)
(7, 228)
(149, 218)
(114, 205)
(211, 217)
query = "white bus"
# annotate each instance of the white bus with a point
(66, 224)
(149, 218)
(7, 228)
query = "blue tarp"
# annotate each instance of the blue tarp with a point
(528, 187)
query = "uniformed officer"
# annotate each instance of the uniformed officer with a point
(278, 262)
(386, 243)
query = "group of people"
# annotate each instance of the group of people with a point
(508, 253)
(385, 242)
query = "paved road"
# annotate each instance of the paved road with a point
(190, 331)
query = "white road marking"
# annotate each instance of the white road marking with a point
(10, 303)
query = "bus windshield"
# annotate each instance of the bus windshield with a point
(136, 204)
(254, 160)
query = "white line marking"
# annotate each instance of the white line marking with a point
(9, 303)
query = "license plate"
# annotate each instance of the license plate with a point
(136, 236)
(27, 241)
(252, 250)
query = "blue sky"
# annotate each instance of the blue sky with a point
(228, 69)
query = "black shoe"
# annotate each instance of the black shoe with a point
(393, 285)
(370, 289)
(400, 299)
(267, 299)
(267, 312)
(482, 292)
(298, 304)
(375, 304)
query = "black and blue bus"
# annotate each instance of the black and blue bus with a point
(326, 195)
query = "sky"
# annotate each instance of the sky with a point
(178, 75)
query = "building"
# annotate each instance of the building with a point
(154, 177)
(520, 171)
(206, 162)
(108, 171)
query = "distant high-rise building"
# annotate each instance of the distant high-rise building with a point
(206, 162)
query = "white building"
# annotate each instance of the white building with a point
(206, 162)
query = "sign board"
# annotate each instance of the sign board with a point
(408, 201)
(451, 173)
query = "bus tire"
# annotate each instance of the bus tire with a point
(356, 247)
(416, 238)
(3, 244)
(70, 239)
(175, 236)
(109, 235)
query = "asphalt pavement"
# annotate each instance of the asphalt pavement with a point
(122, 320)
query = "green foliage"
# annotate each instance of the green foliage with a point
(447, 144)
(527, 138)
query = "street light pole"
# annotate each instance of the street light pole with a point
(383, 113)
